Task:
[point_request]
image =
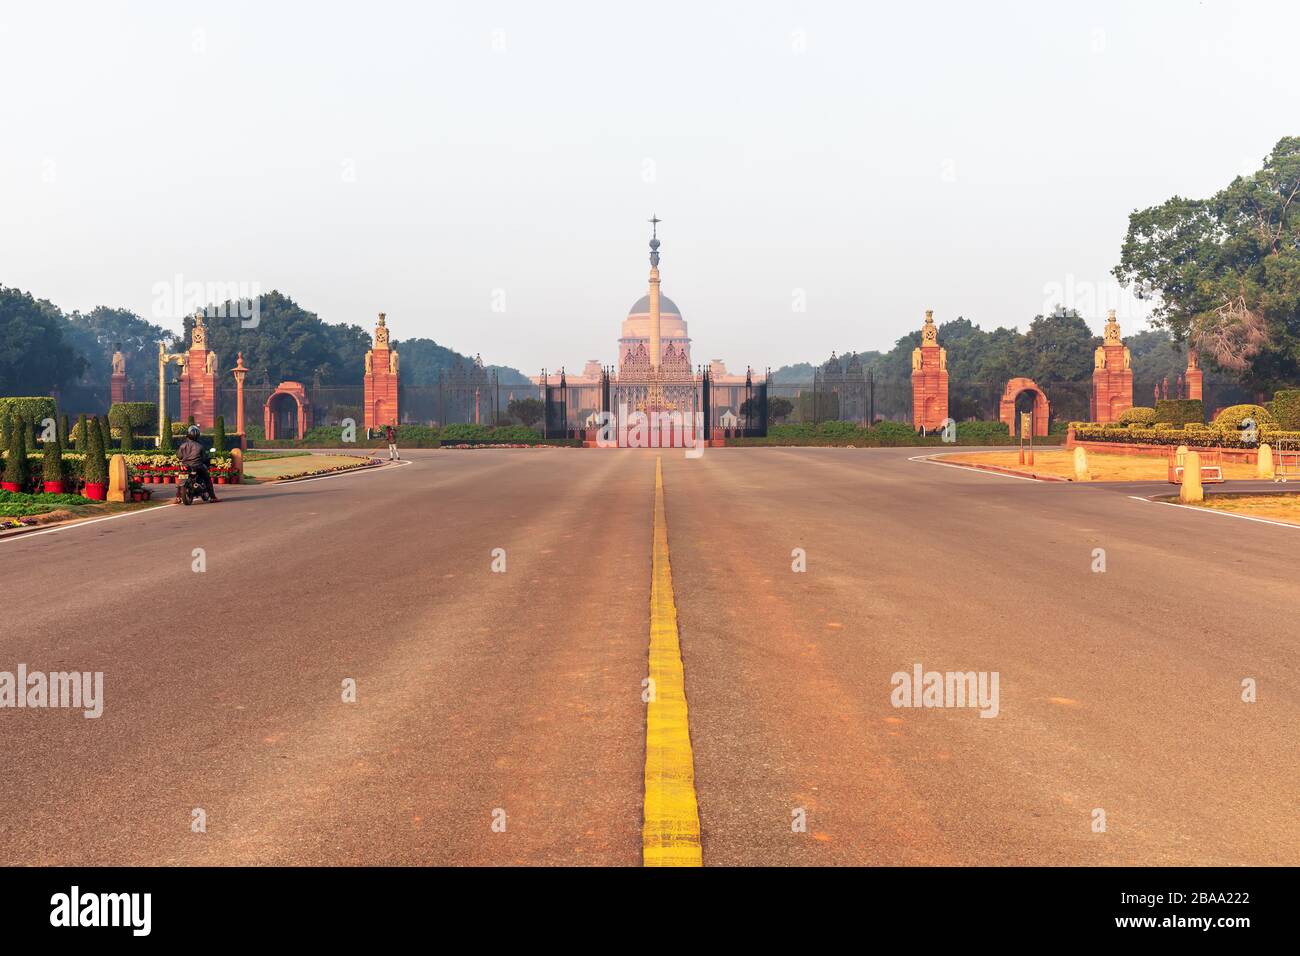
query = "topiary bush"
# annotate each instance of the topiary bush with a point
(219, 436)
(28, 409)
(1286, 408)
(1138, 415)
(94, 468)
(1230, 418)
(133, 416)
(16, 470)
(1180, 411)
(165, 440)
(52, 468)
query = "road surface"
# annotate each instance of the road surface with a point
(499, 718)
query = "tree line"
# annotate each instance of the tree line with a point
(43, 348)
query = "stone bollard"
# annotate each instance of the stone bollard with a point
(118, 485)
(1191, 490)
(1264, 463)
(237, 464)
(1081, 472)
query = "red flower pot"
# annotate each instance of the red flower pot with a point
(96, 491)
(11, 486)
(54, 487)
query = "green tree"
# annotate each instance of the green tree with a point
(219, 436)
(527, 410)
(165, 439)
(79, 434)
(105, 434)
(127, 443)
(35, 356)
(779, 408)
(1224, 272)
(97, 334)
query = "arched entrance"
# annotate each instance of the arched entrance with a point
(285, 413)
(1035, 401)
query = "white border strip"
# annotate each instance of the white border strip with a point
(1222, 514)
(979, 471)
(81, 524)
(72, 526)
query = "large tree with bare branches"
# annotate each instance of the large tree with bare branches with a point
(1224, 272)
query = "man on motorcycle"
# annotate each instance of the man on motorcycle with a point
(194, 457)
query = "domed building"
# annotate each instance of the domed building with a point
(669, 383)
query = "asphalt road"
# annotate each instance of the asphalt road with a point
(515, 696)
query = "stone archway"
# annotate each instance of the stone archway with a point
(284, 399)
(1007, 407)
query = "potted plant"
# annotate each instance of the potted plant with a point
(52, 471)
(95, 466)
(15, 472)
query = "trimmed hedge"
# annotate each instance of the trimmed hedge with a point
(1230, 418)
(1138, 415)
(1194, 435)
(1180, 411)
(1286, 408)
(28, 409)
(137, 416)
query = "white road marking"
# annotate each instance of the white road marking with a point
(978, 471)
(82, 524)
(1222, 514)
(144, 511)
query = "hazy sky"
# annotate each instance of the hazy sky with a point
(483, 171)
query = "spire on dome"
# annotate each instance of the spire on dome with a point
(654, 221)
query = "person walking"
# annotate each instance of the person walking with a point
(390, 436)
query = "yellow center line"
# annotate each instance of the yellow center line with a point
(670, 835)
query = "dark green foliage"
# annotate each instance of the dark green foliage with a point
(1224, 272)
(219, 436)
(1286, 409)
(165, 440)
(79, 434)
(16, 461)
(137, 416)
(95, 468)
(52, 462)
(527, 410)
(35, 356)
(1180, 411)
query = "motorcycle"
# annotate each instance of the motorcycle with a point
(192, 488)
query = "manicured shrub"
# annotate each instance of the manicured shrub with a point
(52, 468)
(1180, 411)
(16, 470)
(219, 436)
(1286, 408)
(79, 434)
(1230, 418)
(63, 429)
(837, 429)
(1138, 415)
(981, 431)
(893, 433)
(95, 468)
(165, 440)
(28, 409)
(133, 416)
(128, 441)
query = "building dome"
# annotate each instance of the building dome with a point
(666, 306)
